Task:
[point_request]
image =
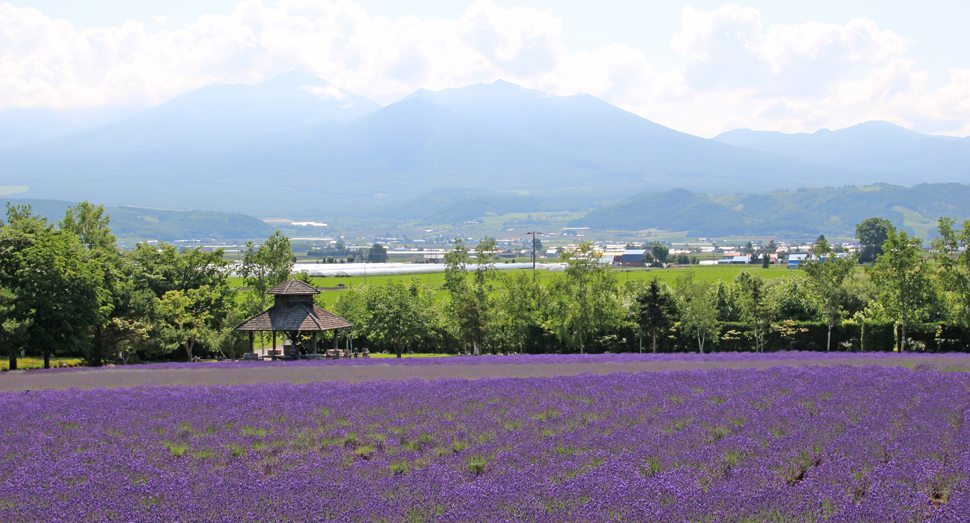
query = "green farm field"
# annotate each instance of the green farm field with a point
(436, 279)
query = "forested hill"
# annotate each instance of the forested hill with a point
(790, 214)
(140, 223)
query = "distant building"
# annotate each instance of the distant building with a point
(631, 258)
(734, 260)
(795, 258)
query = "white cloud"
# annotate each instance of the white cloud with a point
(735, 71)
(160, 18)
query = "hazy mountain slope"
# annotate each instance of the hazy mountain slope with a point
(444, 206)
(800, 213)
(163, 157)
(585, 127)
(23, 126)
(214, 117)
(157, 224)
(297, 146)
(406, 149)
(905, 156)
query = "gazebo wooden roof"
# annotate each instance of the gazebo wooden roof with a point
(293, 312)
(294, 317)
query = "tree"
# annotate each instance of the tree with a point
(954, 264)
(726, 297)
(584, 299)
(192, 315)
(660, 252)
(698, 313)
(470, 300)
(267, 265)
(789, 297)
(399, 314)
(827, 273)
(872, 233)
(351, 305)
(652, 309)
(12, 328)
(757, 309)
(516, 311)
(162, 268)
(377, 254)
(59, 292)
(89, 223)
(903, 279)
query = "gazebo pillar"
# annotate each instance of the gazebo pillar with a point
(314, 342)
(251, 335)
(336, 334)
(274, 346)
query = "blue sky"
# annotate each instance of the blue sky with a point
(700, 66)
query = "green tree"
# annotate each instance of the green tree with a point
(652, 309)
(872, 233)
(954, 264)
(789, 297)
(727, 298)
(59, 291)
(517, 310)
(12, 328)
(400, 315)
(162, 268)
(697, 307)
(267, 265)
(351, 305)
(903, 280)
(660, 252)
(470, 301)
(827, 273)
(377, 254)
(192, 315)
(584, 300)
(89, 223)
(757, 308)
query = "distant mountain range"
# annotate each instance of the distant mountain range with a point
(903, 156)
(803, 213)
(298, 146)
(129, 223)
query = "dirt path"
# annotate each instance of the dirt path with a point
(135, 377)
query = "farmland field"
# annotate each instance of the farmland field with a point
(800, 437)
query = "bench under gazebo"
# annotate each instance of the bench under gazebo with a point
(295, 315)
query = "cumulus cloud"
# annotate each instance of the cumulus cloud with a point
(735, 71)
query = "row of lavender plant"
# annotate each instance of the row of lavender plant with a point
(787, 444)
(781, 356)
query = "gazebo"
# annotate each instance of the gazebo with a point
(293, 313)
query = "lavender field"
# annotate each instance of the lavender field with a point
(814, 443)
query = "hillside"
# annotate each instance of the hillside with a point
(905, 157)
(802, 213)
(297, 146)
(133, 223)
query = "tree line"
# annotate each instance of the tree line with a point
(67, 289)
(905, 298)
